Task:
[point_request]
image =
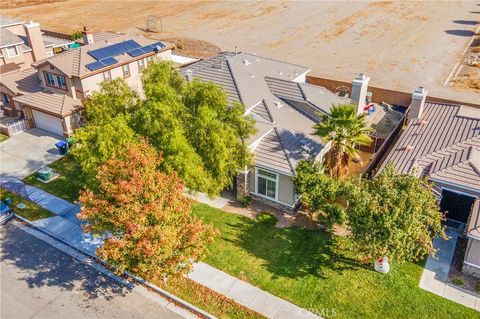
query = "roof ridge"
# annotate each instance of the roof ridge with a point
(450, 148)
(302, 66)
(235, 82)
(283, 149)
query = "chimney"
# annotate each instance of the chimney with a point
(35, 40)
(87, 36)
(359, 91)
(417, 104)
(189, 75)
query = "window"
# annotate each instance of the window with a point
(141, 65)
(6, 99)
(12, 51)
(61, 82)
(107, 76)
(50, 79)
(126, 70)
(267, 184)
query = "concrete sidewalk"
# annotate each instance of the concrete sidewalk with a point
(66, 227)
(435, 275)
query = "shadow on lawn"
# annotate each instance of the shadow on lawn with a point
(38, 264)
(294, 252)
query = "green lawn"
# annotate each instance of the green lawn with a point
(308, 268)
(31, 211)
(67, 185)
(314, 271)
(3, 137)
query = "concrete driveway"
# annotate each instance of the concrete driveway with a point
(27, 152)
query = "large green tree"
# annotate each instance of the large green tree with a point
(114, 98)
(145, 214)
(320, 194)
(96, 143)
(201, 136)
(393, 215)
(344, 129)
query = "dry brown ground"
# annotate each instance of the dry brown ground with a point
(401, 45)
(468, 78)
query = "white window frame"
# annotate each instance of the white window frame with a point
(126, 67)
(141, 65)
(276, 180)
(15, 49)
(53, 83)
(109, 77)
(59, 83)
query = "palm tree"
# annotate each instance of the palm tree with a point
(345, 129)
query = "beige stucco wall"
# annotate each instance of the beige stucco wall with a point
(286, 193)
(19, 59)
(70, 91)
(72, 122)
(91, 83)
(16, 29)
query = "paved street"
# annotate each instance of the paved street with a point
(39, 281)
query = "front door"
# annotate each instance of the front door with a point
(457, 206)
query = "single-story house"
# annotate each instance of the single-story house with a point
(285, 109)
(442, 142)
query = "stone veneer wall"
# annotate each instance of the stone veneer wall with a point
(471, 270)
(243, 181)
(279, 206)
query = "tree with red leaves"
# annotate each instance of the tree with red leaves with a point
(145, 214)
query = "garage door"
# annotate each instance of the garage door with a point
(48, 123)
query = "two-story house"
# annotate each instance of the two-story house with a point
(49, 94)
(24, 43)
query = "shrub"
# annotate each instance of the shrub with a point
(247, 201)
(267, 218)
(458, 281)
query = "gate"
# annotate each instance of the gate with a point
(17, 127)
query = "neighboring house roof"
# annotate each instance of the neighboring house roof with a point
(22, 82)
(73, 62)
(266, 88)
(50, 102)
(101, 36)
(473, 227)
(7, 38)
(7, 21)
(443, 144)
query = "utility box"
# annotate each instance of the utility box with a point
(45, 174)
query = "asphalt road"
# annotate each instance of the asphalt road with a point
(40, 281)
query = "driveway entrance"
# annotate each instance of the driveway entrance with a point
(27, 152)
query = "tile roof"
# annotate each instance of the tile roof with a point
(50, 102)
(6, 21)
(22, 82)
(441, 144)
(284, 129)
(7, 38)
(73, 62)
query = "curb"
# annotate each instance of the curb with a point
(126, 276)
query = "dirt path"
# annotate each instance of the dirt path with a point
(401, 45)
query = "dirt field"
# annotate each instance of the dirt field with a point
(401, 45)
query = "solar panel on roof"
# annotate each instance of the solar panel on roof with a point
(113, 50)
(135, 52)
(108, 61)
(95, 66)
(147, 48)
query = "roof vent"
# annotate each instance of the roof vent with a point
(278, 104)
(246, 62)
(408, 148)
(424, 122)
